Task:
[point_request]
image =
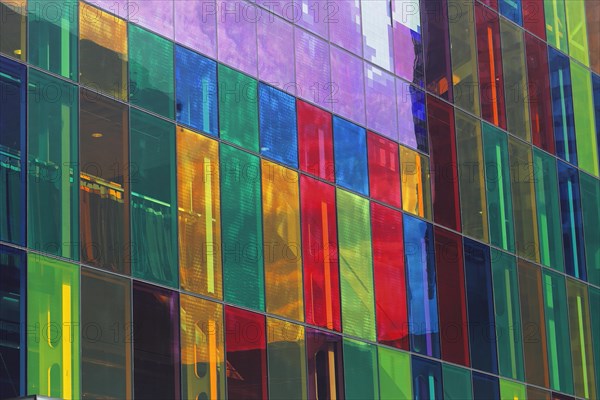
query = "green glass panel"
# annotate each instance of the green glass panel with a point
(595, 314)
(557, 332)
(508, 315)
(13, 29)
(515, 80)
(497, 180)
(53, 38)
(548, 210)
(590, 204)
(471, 170)
(360, 370)
(556, 24)
(457, 383)
(577, 28)
(583, 108)
(356, 270)
(53, 367)
(512, 390)
(151, 76)
(238, 108)
(287, 360)
(395, 379)
(241, 227)
(523, 200)
(53, 205)
(153, 199)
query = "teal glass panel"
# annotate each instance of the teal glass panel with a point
(395, 378)
(241, 227)
(590, 205)
(360, 370)
(508, 315)
(53, 41)
(557, 332)
(153, 199)
(151, 76)
(548, 210)
(457, 383)
(238, 108)
(497, 181)
(356, 265)
(583, 109)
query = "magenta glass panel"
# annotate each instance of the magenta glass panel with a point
(236, 34)
(313, 78)
(408, 45)
(156, 15)
(275, 60)
(196, 25)
(314, 15)
(344, 25)
(412, 125)
(377, 33)
(117, 7)
(348, 85)
(380, 94)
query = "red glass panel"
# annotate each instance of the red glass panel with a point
(384, 169)
(319, 252)
(389, 275)
(451, 297)
(315, 142)
(491, 82)
(533, 17)
(445, 194)
(491, 3)
(245, 341)
(436, 46)
(325, 365)
(540, 102)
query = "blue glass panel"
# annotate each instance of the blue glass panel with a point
(572, 225)
(422, 292)
(427, 379)
(12, 151)
(511, 9)
(278, 129)
(485, 387)
(196, 91)
(480, 304)
(596, 85)
(562, 106)
(350, 150)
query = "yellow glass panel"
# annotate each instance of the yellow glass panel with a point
(416, 185)
(202, 353)
(199, 214)
(287, 360)
(282, 251)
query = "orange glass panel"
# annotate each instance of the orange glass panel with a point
(199, 214)
(282, 247)
(416, 185)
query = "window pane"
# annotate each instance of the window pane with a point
(287, 360)
(512, 390)
(377, 34)
(348, 87)
(278, 135)
(408, 41)
(104, 182)
(350, 145)
(511, 9)
(274, 36)
(103, 54)
(198, 199)
(195, 25)
(241, 228)
(53, 209)
(325, 368)
(485, 387)
(236, 34)
(416, 184)
(153, 199)
(583, 108)
(356, 265)
(412, 123)
(105, 336)
(380, 93)
(576, 27)
(562, 106)
(427, 379)
(457, 383)
(384, 169)
(53, 364)
(315, 141)
(595, 323)
(556, 24)
(436, 48)
(13, 30)
(395, 378)
(533, 17)
(360, 370)
(590, 203)
(592, 11)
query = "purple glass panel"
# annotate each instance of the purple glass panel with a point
(275, 59)
(117, 7)
(196, 25)
(283, 8)
(381, 107)
(344, 25)
(313, 78)
(377, 33)
(408, 47)
(412, 125)
(156, 15)
(348, 86)
(314, 15)
(236, 34)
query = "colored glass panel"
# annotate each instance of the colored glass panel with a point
(384, 169)
(562, 106)
(196, 25)
(105, 336)
(512, 390)
(103, 52)
(320, 254)
(236, 35)
(533, 17)
(53, 353)
(534, 393)
(422, 292)
(380, 90)
(199, 214)
(377, 34)
(457, 383)
(351, 165)
(348, 88)
(592, 12)
(345, 29)
(556, 24)
(313, 69)
(436, 48)
(53, 209)
(511, 9)
(590, 205)
(155, 15)
(395, 378)
(408, 41)
(577, 30)
(315, 141)
(583, 109)
(277, 119)
(595, 324)
(416, 183)
(196, 91)
(241, 223)
(287, 360)
(356, 268)
(360, 370)
(412, 123)
(325, 365)
(485, 386)
(13, 31)
(274, 35)
(238, 108)
(427, 379)
(203, 366)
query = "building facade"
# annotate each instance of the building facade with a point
(290, 199)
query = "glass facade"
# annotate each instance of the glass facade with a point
(307, 199)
